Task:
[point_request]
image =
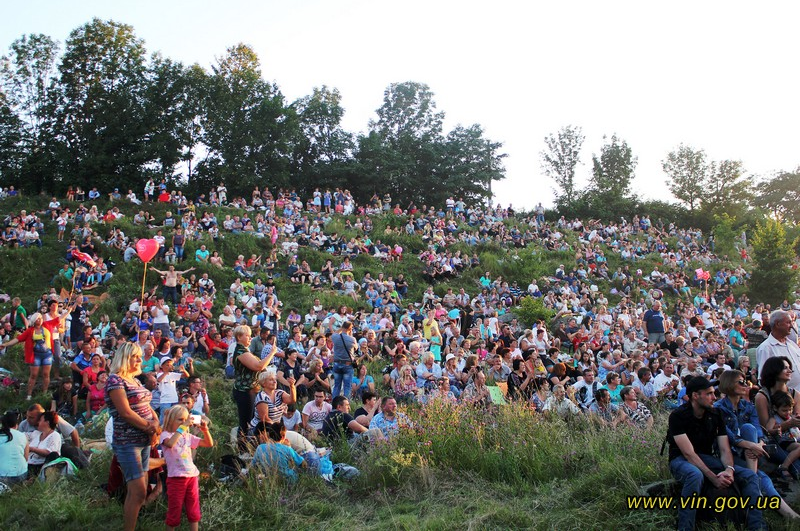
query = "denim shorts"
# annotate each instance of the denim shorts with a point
(134, 460)
(42, 358)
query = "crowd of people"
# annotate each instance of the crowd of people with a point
(614, 355)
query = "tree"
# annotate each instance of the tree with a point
(247, 129)
(688, 172)
(773, 274)
(322, 148)
(559, 160)
(10, 150)
(404, 148)
(781, 196)
(470, 164)
(168, 115)
(726, 187)
(612, 174)
(724, 235)
(408, 110)
(26, 77)
(99, 114)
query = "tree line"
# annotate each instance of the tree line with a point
(105, 113)
(706, 190)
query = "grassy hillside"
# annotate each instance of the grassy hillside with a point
(457, 469)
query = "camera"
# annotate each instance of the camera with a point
(195, 419)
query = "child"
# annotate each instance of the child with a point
(182, 475)
(782, 406)
(292, 418)
(272, 454)
(167, 384)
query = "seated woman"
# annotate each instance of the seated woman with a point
(637, 413)
(44, 443)
(13, 451)
(520, 381)
(405, 388)
(95, 399)
(363, 382)
(271, 402)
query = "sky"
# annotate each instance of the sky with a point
(713, 75)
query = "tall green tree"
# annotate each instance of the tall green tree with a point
(168, 116)
(11, 154)
(403, 151)
(470, 164)
(408, 109)
(100, 117)
(247, 129)
(26, 78)
(322, 148)
(773, 277)
(688, 172)
(727, 188)
(781, 196)
(558, 161)
(610, 190)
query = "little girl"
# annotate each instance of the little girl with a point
(183, 489)
(782, 406)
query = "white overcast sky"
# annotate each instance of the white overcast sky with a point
(721, 76)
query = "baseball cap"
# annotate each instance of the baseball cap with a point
(696, 384)
(450, 357)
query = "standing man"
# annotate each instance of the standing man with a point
(344, 346)
(653, 321)
(779, 344)
(170, 277)
(693, 429)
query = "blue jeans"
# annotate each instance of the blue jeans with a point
(748, 432)
(691, 479)
(342, 376)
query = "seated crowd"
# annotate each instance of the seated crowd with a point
(295, 370)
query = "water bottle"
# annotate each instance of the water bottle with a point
(795, 433)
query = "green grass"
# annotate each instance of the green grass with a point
(457, 469)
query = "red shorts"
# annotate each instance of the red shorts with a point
(182, 492)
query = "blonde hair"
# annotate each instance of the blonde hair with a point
(172, 415)
(241, 331)
(266, 374)
(121, 364)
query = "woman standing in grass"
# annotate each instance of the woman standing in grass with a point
(38, 343)
(134, 425)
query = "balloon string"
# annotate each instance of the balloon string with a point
(141, 302)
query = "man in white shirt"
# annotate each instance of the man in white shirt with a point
(720, 364)
(779, 344)
(667, 381)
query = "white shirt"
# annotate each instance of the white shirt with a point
(771, 348)
(713, 367)
(662, 380)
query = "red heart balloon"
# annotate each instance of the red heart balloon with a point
(146, 249)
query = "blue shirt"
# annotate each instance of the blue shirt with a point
(745, 413)
(280, 456)
(654, 321)
(12, 454)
